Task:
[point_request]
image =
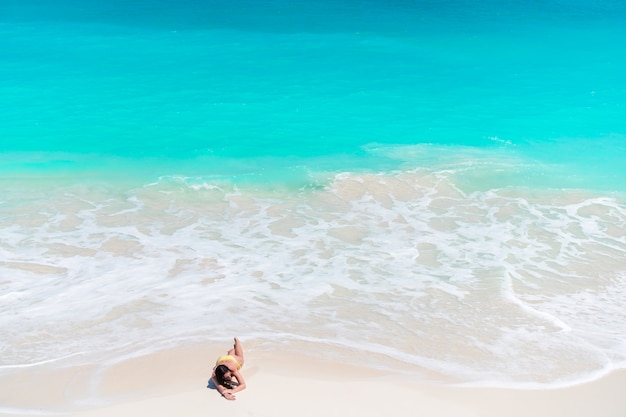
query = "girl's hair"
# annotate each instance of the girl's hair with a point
(221, 380)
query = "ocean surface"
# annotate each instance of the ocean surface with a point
(429, 187)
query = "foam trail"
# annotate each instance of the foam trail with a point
(404, 265)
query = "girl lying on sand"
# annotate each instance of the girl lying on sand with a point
(226, 376)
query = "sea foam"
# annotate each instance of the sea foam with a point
(506, 286)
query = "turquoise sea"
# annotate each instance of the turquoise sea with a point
(436, 186)
(261, 89)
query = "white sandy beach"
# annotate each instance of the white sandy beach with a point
(174, 383)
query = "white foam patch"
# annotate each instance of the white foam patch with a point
(509, 286)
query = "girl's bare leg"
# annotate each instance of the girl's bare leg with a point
(237, 351)
(238, 348)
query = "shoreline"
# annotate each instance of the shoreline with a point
(174, 382)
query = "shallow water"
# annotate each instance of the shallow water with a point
(505, 286)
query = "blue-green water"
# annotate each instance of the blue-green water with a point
(229, 88)
(427, 187)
